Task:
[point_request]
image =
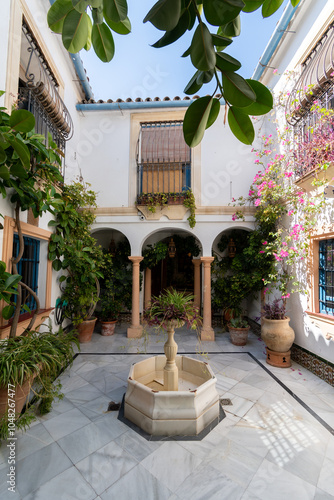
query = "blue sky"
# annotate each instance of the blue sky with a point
(139, 70)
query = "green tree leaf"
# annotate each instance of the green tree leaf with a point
(80, 5)
(294, 3)
(241, 125)
(196, 120)
(264, 99)
(237, 91)
(220, 42)
(20, 149)
(214, 112)
(252, 5)
(193, 86)
(3, 157)
(103, 42)
(221, 12)
(88, 44)
(57, 13)
(232, 29)
(75, 31)
(165, 14)
(17, 170)
(8, 311)
(57, 265)
(205, 76)
(173, 35)
(22, 120)
(116, 10)
(202, 51)
(227, 63)
(97, 14)
(122, 28)
(269, 7)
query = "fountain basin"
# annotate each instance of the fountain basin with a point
(167, 413)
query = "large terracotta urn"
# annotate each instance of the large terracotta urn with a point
(277, 334)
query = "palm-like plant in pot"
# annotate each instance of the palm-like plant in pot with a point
(172, 310)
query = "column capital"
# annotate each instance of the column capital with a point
(135, 260)
(196, 262)
(207, 261)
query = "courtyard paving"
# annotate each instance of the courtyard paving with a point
(276, 440)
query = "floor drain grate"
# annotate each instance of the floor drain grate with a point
(226, 402)
(112, 406)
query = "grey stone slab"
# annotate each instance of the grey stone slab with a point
(171, 464)
(136, 445)
(137, 483)
(84, 441)
(38, 468)
(105, 466)
(69, 485)
(66, 423)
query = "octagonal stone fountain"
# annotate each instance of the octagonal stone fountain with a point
(171, 395)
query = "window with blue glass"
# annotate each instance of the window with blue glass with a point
(28, 267)
(326, 277)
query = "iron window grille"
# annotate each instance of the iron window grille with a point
(163, 158)
(28, 268)
(326, 277)
(38, 92)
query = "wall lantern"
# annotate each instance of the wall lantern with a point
(231, 248)
(171, 248)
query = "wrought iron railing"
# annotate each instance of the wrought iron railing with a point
(164, 178)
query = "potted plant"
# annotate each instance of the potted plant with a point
(172, 310)
(238, 328)
(276, 333)
(108, 314)
(31, 361)
(74, 250)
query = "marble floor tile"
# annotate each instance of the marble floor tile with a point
(96, 408)
(66, 423)
(58, 407)
(39, 467)
(326, 478)
(271, 481)
(71, 381)
(137, 483)
(224, 383)
(207, 483)
(247, 391)
(233, 460)
(81, 443)
(322, 495)
(84, 394)
(69, 485)
(105, 466)
(136, 445)
(171, 464)
(234, 373)
(240, 406)
(32, 440)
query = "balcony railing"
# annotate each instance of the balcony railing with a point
(163, 178)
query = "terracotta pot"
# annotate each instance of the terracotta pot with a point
(108, 327)
(86, 329)
(239, 336)
(21, 395)
(277, 334)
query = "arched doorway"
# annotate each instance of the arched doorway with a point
(176, 270)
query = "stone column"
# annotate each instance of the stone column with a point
(147, 286)
(207, 332)
(197, 282)
(135, 330)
